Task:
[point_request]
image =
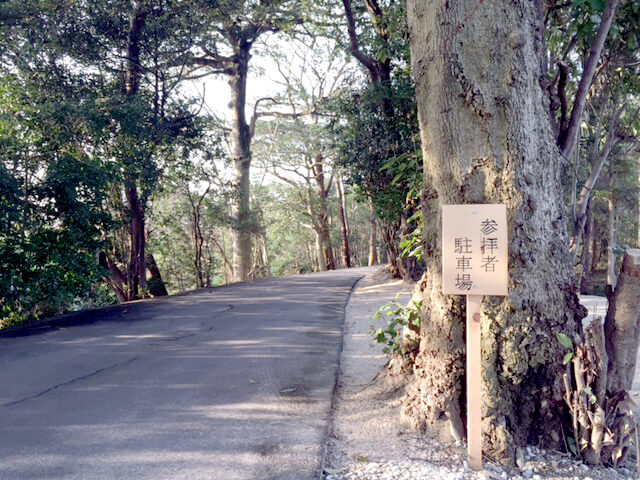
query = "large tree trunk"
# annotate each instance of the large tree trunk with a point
(241, 157)
(486, 139)
(321, 259)
(390, 237)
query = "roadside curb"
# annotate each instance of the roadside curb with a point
(368, 280)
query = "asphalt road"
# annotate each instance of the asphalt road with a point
(226, 383)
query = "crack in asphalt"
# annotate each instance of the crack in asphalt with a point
(176, 337)
(181, 335)
(73, 380)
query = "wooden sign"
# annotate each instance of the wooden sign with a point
(474, 263)
(475, 250)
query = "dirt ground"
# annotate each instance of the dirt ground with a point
(367, 438)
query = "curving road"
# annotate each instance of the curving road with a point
(226, 383)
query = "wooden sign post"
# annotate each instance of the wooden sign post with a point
(474, 263)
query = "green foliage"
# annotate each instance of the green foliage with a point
(407, 171)
(71, 136)
(376, 148)
(52, 191)
(412, 244)
(395, 317)
(290, 242)
(564, 340)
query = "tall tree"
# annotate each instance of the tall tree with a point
(295, 154)
(225, 47)
(344, 228)
(486, 139)
(126, 50)
(602, 87)
(312, 71)
(378, 122)
(51, 197)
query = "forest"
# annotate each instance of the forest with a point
(153, 147)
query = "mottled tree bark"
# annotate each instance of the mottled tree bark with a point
(622, 325)
(486, 139)
(241, 157)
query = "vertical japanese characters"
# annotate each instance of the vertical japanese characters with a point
(463, 263)
(463, 250)
(474, 251)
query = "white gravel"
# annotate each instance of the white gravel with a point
(367, 439)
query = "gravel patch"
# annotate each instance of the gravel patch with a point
(369, 441)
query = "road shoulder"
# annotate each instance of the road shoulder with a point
(367, 438)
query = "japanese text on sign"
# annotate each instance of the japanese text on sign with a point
(474, 250)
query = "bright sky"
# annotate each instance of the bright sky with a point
(265, 80)
(263, 74)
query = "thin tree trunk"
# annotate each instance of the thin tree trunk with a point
(136, 282)
(136, 274)
(346, 256)
(585, 193)
(574, 186)
(323, 238)
(567, 137)
(611, 257)
(585, 261)
(265, 254)
(586, 257)
(198, 242)
(228, 266)
(313, 259)
(596, 241)
(477, 67)
(114, 279)
(638, 225)
(373, 229)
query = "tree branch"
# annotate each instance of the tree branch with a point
(567, 137)
(368, 62)
(585, 193)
